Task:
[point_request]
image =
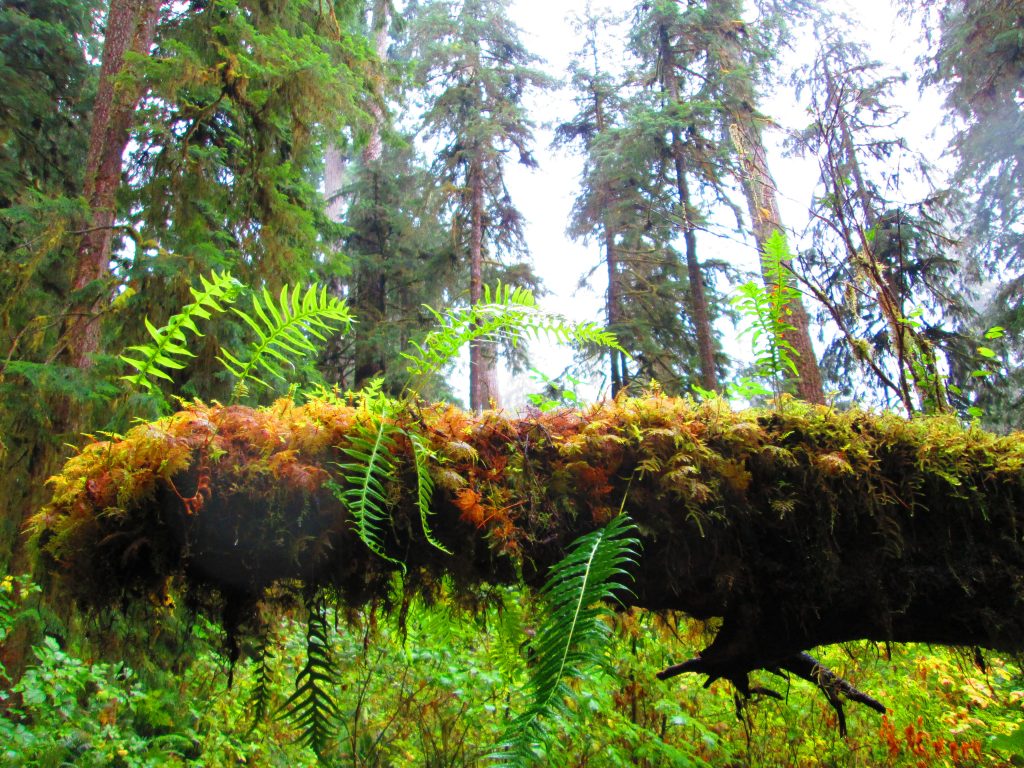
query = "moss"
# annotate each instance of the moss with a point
(809, 524)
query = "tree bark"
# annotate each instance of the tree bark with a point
(618, 372)
(758, 185)
(130, 27)
(483, 376)
(698, 299)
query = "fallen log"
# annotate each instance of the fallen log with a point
(797, 527)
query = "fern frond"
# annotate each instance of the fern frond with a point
(572, 640)
(260, 697)
(421, 455)
(286, 329)
(311, 708)
(503, 313)
(364, 495)
(169, 341)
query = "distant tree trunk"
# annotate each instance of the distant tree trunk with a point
(759, 186)
(698, 299)
(914, 354)
(483, 376)
(613, 299)
(381, 26)
(368, 290)
(613, 309)
(131, 25)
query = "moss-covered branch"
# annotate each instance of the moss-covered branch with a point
(799, 528)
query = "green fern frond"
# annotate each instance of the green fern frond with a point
(311, 708)
(503, 313)
(169, 341)
(286, 329)
(260, 697)
(364, 495)
(573, 638)
(422, 455)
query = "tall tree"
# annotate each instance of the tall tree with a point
(643, 148)
(476, 73)
(129, 29)
(978, 60)
(884, 266)
(664, 21)
(733, 56)
(597, 96)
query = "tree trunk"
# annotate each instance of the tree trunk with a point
(915, 356)
(758, 184)
(368, 289)
(797, 528)
(613, 300)
(131, 25)
(698, 299)
(483, 376)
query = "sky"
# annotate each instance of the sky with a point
(545, 196)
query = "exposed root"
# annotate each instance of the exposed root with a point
(802, 665)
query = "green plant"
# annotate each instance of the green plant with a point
(311, 707)
(573, 638)
(555, 394)
(286, 330)
(504, 313)
(170, 340)
(767, 308)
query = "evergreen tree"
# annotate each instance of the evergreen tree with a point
(640, 141)
(735, 56)
(978, 60)
(597, 94)
(884, 266)
(476, 73)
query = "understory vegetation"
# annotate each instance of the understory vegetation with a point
(439, 691)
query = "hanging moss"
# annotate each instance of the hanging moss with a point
(797, 527)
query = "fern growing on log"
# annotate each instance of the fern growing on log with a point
(285, 329)
(424, 486)
(169, 341)
(572, 640)
(364, 494)
(504, 312)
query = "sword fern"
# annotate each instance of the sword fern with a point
(573, 638)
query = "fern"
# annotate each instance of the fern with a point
(311, 708)
(768, 309)
(285, 329)
(169, 341)
(573, 637)
(424, 486)
(364, 496)
(260, 698)
(504, 313)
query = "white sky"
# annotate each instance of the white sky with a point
(545, 196)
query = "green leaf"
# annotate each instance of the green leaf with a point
(169, 340)
(574, 635)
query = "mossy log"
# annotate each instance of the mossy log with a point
(797, 527)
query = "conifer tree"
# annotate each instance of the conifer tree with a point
(476, 73)
(597, 95)
(977, 59)
(882, 258)
(733, 54)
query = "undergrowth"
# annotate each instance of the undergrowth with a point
(442, 692)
